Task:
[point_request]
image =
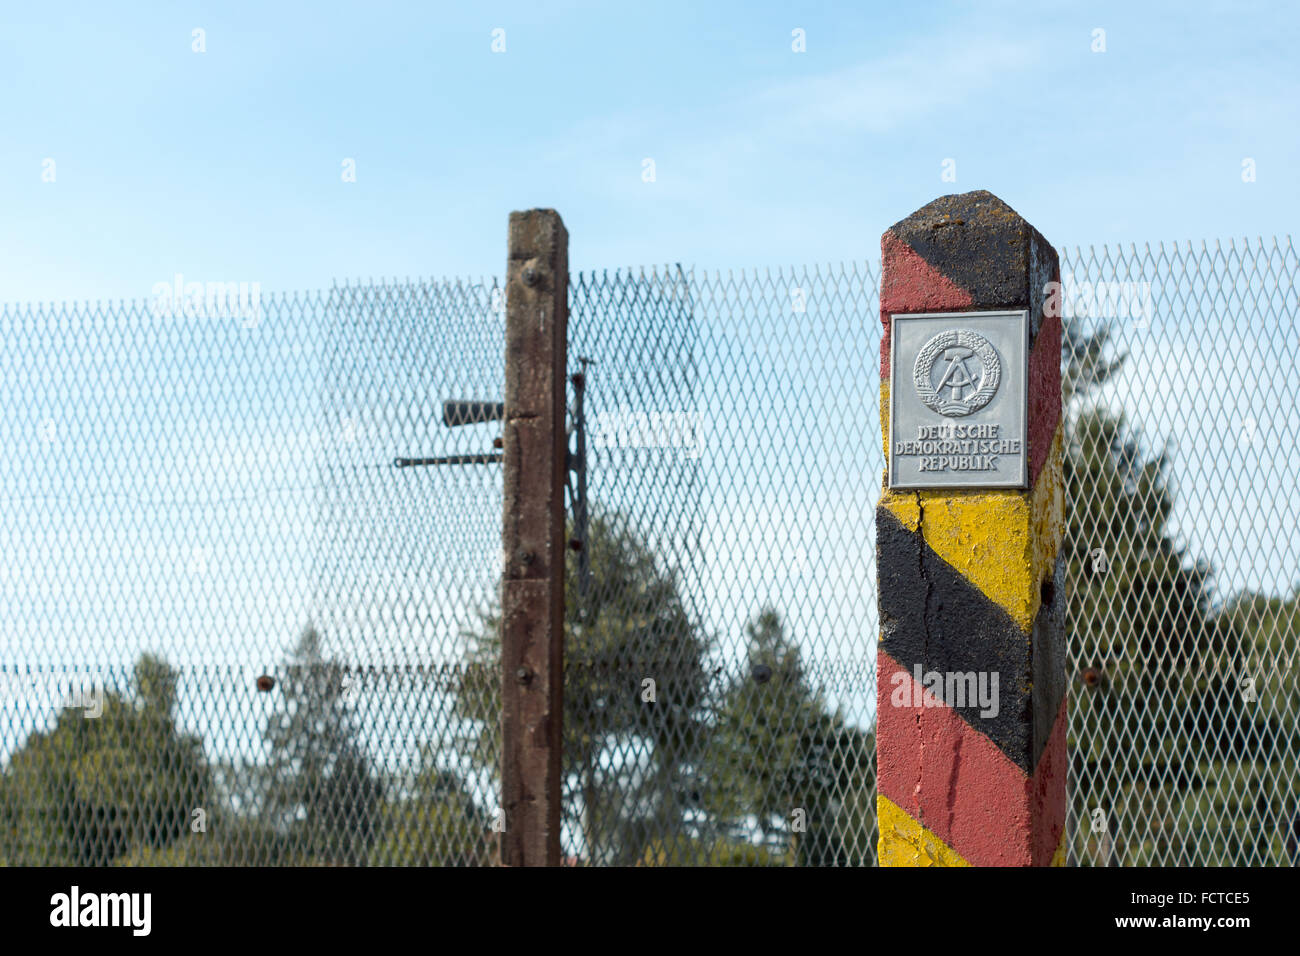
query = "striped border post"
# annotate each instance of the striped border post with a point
(970, 579)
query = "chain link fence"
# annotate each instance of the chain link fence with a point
(238, 630)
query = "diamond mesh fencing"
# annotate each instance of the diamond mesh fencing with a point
(232, 627)
(251, 598)
(1182, 471)
(736, 456)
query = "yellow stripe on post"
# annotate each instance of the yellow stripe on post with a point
(1003, 542)
(904, 842)
(1059, 857)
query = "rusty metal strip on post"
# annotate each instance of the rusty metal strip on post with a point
(532, 538)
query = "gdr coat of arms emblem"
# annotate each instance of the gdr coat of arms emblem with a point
(957, 372)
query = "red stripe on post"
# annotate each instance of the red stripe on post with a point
(910, 284)
(966, 791)
(1044, 394)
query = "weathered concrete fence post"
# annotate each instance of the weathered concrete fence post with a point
(970, 739)
(535, 459)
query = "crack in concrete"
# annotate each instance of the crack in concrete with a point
(925, 642)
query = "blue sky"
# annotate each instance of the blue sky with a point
(140, 452)
(227, 164)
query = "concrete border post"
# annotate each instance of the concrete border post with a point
(969, 576)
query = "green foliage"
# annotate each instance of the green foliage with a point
(1138, 609)
(780, 757)
(193, 849)
(1169, 744)
(321, 791)
(631, 625)
(687, 851)
(437, 824)
(1268, 631)
(715, 760)
(97, 788)
(1247, 810)
(1131, 589)
(1243, 816)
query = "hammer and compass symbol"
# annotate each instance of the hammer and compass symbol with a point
(957, 372)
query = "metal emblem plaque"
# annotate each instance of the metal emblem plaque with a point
(958, 400)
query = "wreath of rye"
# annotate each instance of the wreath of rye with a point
(990, 378)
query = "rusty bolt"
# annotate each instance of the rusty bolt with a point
(265, 683)
(498, 443)
(1090, 676)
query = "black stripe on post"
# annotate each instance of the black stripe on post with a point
(931, 616)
